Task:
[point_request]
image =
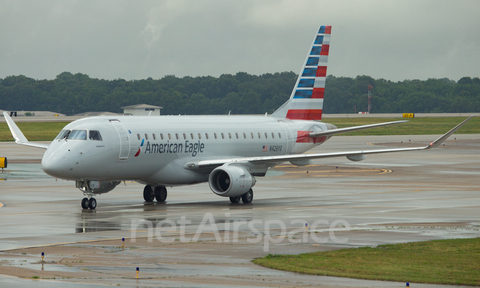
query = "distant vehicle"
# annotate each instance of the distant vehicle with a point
(228, 152)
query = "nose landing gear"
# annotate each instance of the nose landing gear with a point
(89, 203)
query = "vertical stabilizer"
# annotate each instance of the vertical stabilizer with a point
(306, 100)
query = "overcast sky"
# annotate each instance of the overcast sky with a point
(395, 40)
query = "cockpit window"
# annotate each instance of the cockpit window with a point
(94, 135)
(77, 135)
(63, 134)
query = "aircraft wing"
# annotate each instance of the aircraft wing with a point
(274, 160)
(351, 129)
(18, 135)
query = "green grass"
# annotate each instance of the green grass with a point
(46, 131)
(415, 126)
(34, 131)
(455, 262)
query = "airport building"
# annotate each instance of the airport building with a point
(142, 110)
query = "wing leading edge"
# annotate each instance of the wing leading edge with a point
(18, 135)
(273, 160)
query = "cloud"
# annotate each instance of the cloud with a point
(394, 40)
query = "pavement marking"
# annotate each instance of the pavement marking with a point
(69, 243)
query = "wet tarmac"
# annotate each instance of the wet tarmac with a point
(389, 198)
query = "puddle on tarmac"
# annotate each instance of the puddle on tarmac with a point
(22, 171)
(36, 265)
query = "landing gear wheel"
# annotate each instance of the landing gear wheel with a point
(92, 203)
(235, 199)
(161, 193)
(85, 203)
(148, 194)
(247, 197)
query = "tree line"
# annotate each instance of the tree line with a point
(241, 93)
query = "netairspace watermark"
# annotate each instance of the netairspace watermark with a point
(268, 231)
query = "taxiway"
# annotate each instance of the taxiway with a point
(388, 198)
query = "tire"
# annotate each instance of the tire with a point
(148, 194)
(92, 204)
(160, 194)
(235, 199)
(85, 203)
(247, 197)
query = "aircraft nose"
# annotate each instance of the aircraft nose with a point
(53, 165)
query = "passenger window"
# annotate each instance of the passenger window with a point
(169, 136)
(94, 135)
(161, 136)
(244, 135)
(223, 137)
(77, 135)
(176, 135)
(252, 134)
(273, 136)
(229, 136)
(138, 136)
(279, 135)
(236, 135)
(146, 136)
(184, 136)
(266, 135)
(199, 136)
(154, 137)
(215, 135)
(259, 135)
(206, 135)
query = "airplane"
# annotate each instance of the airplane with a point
(228, 152)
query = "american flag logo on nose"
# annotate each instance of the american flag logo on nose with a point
(265, 148)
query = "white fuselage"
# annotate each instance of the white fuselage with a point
(154, 149)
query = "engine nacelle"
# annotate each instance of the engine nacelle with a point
(356, 157)
(96, 187)
(230, 180)
(302, 162)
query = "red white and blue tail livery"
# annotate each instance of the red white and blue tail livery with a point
(306, 100)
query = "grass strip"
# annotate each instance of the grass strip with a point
(34, 131)
(455, 262)
(415, 126)
(46, 131)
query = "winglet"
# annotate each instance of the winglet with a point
(18, 135)
(439, 141)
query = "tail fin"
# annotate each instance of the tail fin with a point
(306, 100)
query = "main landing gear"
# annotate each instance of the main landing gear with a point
(246, 198)
(89, 203)
(150, 193)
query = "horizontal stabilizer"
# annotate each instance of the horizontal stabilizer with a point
(351, 129)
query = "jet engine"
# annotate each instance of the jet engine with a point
(356, 157)
(230, 180)
(96, 187)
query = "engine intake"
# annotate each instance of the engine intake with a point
(230, 180)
